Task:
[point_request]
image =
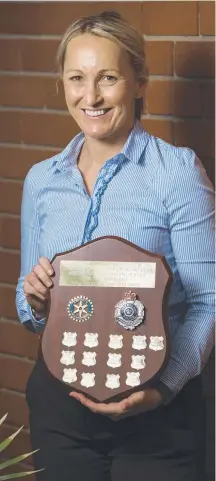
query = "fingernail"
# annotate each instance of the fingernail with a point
(50, 272)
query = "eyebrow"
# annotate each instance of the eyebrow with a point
(100, 71)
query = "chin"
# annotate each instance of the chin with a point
(97, 134)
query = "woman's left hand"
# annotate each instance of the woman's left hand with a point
(138, 402)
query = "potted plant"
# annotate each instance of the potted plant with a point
(11, 462)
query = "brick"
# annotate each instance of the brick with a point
(10, 127)
(180, 98)
(193, 99)
(187, 99)
(20, 445)
(11, 194)
(159, 128)
(10, 58)
(51, 18)
(49, 129)
(10, 232)
(160, 97)
(207, 18)
(159, 57)
(37, 128)
(15, 405)
(16, 161)
(34, 91)
(170, 18)
(10, 267)
(10, 366)
(7, 302)
(16, 340)
(208, 99)
(196, 134)
(195, 59)
(28, 54)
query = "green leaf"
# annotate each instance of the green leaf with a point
(16, 460)
(9, 440)
(3, 419)
(18, 475)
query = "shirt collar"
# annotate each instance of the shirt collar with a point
(136, 143)
(132, 149)
(68, 157)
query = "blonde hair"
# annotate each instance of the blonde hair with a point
(111, 25)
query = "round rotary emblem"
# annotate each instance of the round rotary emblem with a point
(129, 312)
(80, 308)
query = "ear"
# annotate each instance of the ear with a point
(141, 88)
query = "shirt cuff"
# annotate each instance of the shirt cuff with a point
(166, 394)
(175, 376)
(37, 320)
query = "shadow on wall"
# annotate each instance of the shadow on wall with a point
(194, 104)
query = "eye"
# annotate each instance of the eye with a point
(76, 78)
(109, 79)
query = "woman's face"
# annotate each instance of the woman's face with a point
(100, 86)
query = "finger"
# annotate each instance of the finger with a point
(100, 408)
(30, 293)
(135, 399)
(34, 287)
(86, 402)
(46, 265)
(130, 412)
(42, 275)
(35, 303)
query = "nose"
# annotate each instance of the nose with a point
(92, 94)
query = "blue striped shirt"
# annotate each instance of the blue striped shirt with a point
(153, 194)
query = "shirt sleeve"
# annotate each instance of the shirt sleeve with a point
(190, 204)
(30, 231)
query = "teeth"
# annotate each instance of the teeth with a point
(95, 113)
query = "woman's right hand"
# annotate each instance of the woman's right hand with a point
(37, 285)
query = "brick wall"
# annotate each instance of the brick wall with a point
(34, 125)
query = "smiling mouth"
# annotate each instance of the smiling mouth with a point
(95, 113)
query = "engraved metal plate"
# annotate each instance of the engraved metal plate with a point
(107, 274)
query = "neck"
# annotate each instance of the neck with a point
(97, 152)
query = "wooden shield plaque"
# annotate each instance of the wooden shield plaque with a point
(106, 334)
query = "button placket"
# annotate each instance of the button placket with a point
(106, 174)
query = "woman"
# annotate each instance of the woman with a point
(116, 179)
